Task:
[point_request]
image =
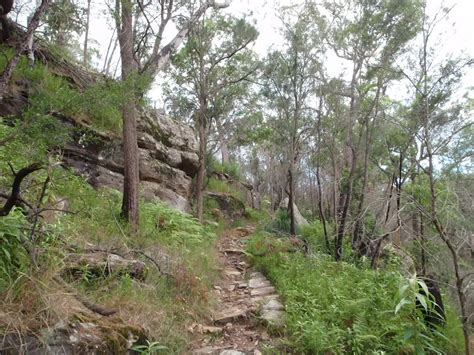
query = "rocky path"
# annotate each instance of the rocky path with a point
(247, 302)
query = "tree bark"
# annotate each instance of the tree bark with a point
(160, 58)
(15, 194)
(318, 177)
(130, 147)
(86, 39)
(291, 197)
(222, 142)
(351, 163)
(202, 165)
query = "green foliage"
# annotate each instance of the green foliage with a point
(280, 223)
(217, 185)
(13, 256)
(97, 221)
(99, 104)
(102, 105)
(221, 42)
(436, 341)
(151, 348)
(339, 308)
(257, 216)
(231, 168)
(313, 233)
(263, 243)
(171, 227)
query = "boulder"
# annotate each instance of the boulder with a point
(299, 219)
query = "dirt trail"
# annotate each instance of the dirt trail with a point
(246, 303)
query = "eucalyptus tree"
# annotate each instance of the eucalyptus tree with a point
(85, 50)
(368, 36)
(442, 120)
(143, 55)
(65, 21)
(291, 77)
(210, 76)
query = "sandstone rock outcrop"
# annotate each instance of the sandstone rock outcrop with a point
(168, 158)
(168, 149)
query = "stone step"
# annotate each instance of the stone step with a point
(230, 314)
(265, 298)
(256, 275)
(273, 317)
(232, 272)
(263, 291)
(273, 304)
(258, 283)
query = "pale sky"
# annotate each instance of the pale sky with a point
(458, 35)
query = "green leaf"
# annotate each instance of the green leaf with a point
(422, 300)
(403, 302)
(408, 334)
(424, 287)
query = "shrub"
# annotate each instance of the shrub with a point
(231, 168)
(280, 223)
(13, 256)
(313, 233)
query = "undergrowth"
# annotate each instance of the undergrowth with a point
(169, 298)
(165, 301)
(48, 94)
(339, 308)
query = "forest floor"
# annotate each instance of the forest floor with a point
(246, 304)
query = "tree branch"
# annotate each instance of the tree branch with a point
(14, 196)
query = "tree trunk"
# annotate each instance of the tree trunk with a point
(422, 245)
(222, 142)
(130, 146)
(109, 54)
(351, 163)
(318, 177)
(86, 39)
(291, 197)
(440, 228)
(202, 166)
(321, 212)
(334, 189)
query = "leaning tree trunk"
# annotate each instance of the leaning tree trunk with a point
(130, 146)
(10, 68)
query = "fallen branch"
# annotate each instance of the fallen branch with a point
(88, 304)
(152, 260)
